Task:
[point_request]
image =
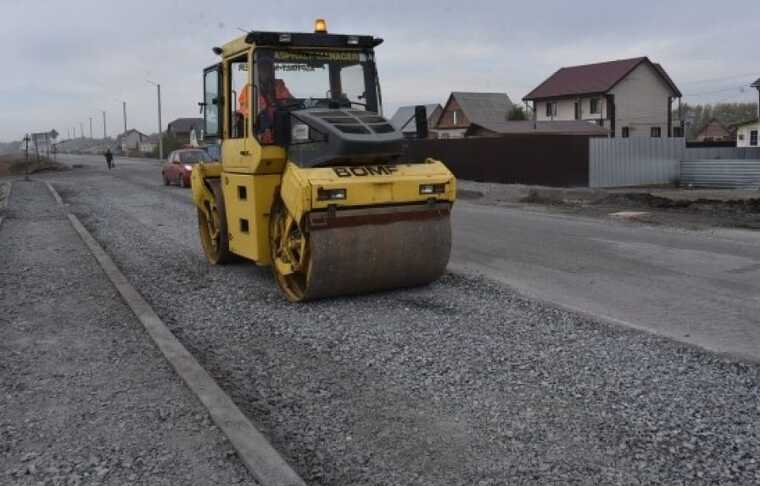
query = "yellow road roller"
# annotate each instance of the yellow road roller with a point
(312, 179)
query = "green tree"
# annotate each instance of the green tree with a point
(517, 113)
(698, 116)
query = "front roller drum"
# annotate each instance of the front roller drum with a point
(360, 251)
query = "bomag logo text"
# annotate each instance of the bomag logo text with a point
(362, 171)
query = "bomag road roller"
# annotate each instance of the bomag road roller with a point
(312, 179)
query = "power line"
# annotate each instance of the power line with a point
(718, 91)
(726, 78)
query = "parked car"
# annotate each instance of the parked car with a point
(179, 166)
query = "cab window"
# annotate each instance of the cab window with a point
(240, 97)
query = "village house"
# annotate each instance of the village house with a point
(403, 119)
(181, 128)
(463, 109)
(630, 97)
(715, 131)
(130, 140)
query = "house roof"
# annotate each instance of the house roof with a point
(563, 127)
(185, 124)
(482, 107)
(593, 78)
(403, 119)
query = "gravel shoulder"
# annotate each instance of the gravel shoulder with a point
(85, 397)
(461, 382)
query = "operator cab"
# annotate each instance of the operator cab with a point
(315, 95)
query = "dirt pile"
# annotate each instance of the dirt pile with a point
(16, 165)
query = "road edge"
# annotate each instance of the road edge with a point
(261, 459)
(463, 269)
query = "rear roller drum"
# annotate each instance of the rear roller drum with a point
(213, 231)
(290, 254)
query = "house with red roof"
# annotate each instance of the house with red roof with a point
(628, 97)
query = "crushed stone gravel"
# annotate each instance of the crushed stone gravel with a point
(85, 397)
(461, 382)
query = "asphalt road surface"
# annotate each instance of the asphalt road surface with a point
(699, 287)
(459, 382)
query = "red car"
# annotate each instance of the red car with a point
(179, 166)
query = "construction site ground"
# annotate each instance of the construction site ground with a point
(668, 205)
(461, 382)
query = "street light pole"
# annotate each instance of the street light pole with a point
(91, 128)
(124, 109)
(160, 136)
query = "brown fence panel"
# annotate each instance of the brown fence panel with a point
(547, 160)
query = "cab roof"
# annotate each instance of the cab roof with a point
(299, 39)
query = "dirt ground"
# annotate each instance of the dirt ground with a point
(16, 165)
(687, 208)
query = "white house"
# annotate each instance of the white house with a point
(747, 133)
(130, 140)
(629, 97)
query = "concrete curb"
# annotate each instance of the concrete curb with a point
(55, 194)
(7, 198)
(262, 460)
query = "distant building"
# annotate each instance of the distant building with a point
(181, 128)
(629, 97)
(715, 131)
(530, 127)
(129, 141)
(463, 109)
(149, 144)
(403, 119)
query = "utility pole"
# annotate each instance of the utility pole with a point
(90, 127)
(104, 125)
(81, 129)
(160, 137)
(68, 134)
(124, 108)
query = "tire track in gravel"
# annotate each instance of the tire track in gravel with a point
(460, 382)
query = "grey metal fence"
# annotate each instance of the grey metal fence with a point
(732, 153)
(721, 173)
(618, 162)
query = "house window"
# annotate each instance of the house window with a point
(551, 109)
(625, 132)
(455, 117)
(753, 138)
(656, 132)
(595, 106)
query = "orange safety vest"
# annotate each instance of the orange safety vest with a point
(281, 92)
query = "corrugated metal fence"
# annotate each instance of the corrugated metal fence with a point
(721, 173)
(620, 162)
(617, 162)
(734, 153)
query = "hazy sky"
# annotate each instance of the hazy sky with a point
(67, 60)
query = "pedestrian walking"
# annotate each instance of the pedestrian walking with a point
(109, 158)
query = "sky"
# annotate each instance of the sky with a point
(66, 61)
